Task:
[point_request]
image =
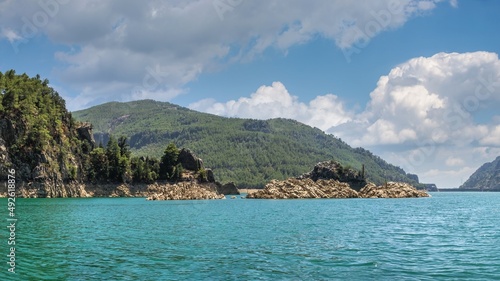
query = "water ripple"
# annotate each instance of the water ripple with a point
(449, 236)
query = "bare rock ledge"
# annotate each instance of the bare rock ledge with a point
(307, 188)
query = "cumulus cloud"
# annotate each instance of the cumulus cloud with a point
(10, 35)
(454, 161)
(275, 101)
(115, 41)
(431, 110)
(434, 99)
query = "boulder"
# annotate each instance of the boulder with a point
(189, 160)
(210, 175)
(228, 189)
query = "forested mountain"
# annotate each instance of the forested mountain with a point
(486, 177)
(248, 152)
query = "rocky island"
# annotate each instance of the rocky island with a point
(331, 180)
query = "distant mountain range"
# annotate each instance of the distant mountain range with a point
(246, 151)
(487, 177)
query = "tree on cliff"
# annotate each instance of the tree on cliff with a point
(99, 165)
(169, 162)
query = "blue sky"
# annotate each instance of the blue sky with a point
(415, 81)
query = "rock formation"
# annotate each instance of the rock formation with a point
(184, 191)
(331, 180)
(228, 189)
(332, 170)
(85, 133)
(304, 188)
(189, 160)
(391, 190)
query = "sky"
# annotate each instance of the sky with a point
(417, 82)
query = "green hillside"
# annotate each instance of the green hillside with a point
(248, 152)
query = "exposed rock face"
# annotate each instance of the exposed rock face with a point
(184, 191)
(228, 189)
(391, 190)
(210, 175)
(332, 170)
(85, 133)
(189, 160)
(304, 188)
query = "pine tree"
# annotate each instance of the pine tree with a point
(168, 162)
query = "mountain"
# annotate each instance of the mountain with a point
(246, 151)
(486, 177)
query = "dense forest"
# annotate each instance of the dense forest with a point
(246, 151)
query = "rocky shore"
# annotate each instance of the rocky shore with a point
(155, 191)
(330, 180)
(191, 185)
(184, 191)
(304, 188)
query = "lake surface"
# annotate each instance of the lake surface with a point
(450, 236)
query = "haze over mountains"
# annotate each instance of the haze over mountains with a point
(246, 151)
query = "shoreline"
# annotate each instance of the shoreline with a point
(466, 190)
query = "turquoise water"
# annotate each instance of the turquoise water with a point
(451, 236)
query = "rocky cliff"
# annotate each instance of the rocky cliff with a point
(333, 170)
(39, 139)
(487, 177)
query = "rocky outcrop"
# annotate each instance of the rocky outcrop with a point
(228, 189)
(85, 133)
(184, 191)
(189, 160)
(391, 190)
(332, 170)
(307, 188)
(331, 180)
(304, 188)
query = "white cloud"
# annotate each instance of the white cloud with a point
(275, 101)
(10, 34)
(493, 137)
(428, 109)
(117, 40)
(454, 161)
(432, 99)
